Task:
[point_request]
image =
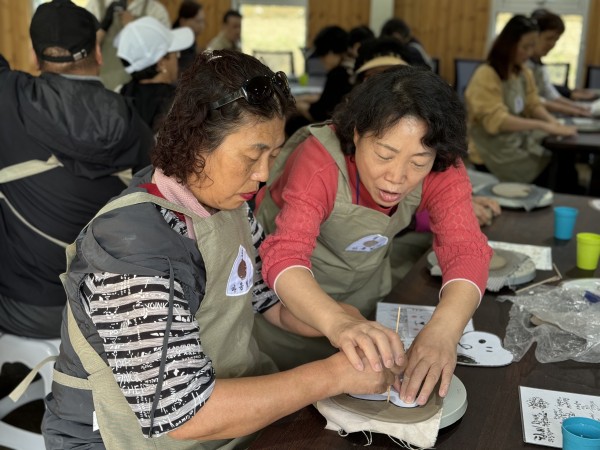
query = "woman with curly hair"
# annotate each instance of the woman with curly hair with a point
(338, 195)
(164, 283)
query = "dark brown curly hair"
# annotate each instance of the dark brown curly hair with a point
(375, 106)
(191, 129)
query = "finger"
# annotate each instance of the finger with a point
(390, 347)
(384, 347)
(415, 381)
(398, 350)
(446, 380)
(429, 384)
(366, 344)
(350, 351)
(397, 383)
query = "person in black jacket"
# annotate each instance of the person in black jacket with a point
(64, 141)
(150, 51)
(415, 54)
(331, 47)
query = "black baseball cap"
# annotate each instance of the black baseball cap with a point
(61, 23)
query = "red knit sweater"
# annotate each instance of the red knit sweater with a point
(306, 193)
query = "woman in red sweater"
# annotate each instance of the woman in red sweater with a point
(337, 196)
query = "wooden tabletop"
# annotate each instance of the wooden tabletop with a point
(493, 418)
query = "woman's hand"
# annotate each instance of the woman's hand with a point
(485, 209)
(431, 356)
(558, 129)
(367, 381)
(354, 334)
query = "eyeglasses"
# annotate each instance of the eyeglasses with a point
(256, 90)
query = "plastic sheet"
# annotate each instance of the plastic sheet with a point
(568, 325)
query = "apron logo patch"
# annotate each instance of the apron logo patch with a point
(519, 105)
(241, 276)
(368, 243)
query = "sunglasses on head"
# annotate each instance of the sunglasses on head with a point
(256, 90)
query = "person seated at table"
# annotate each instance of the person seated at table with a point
(337, 196)
(163, 284)
(399, 30)
(230, 34)
(149, 51)
(551, 27)
(67, 146)
(356, 36)
(507, 120)
(331, 47)
(191, 14)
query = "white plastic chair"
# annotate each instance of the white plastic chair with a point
(30, 352)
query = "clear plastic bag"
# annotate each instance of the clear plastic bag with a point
(565, 325)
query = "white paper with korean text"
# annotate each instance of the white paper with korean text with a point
(542, 413)
(412, 319)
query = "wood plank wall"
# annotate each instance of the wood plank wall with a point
(345, 13)
(15, 44)
(462, 36)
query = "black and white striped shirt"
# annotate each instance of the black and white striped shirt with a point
(130, 313)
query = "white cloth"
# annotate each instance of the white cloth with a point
(421, 434)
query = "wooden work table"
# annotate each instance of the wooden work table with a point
(493, 418)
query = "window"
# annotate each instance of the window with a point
(570, 47)
(275, 26)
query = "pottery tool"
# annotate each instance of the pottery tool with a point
(397, 325)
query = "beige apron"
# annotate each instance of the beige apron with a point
(34, 167)
(351, 261)
(226, 324)
(516, 155)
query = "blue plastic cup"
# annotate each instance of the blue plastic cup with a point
(564, 222)
(581, 433)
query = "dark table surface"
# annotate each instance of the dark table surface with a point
(493, 418)
(581, 143)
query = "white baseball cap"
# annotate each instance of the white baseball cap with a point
(143, 42)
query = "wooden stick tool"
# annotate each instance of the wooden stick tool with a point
(397, 325)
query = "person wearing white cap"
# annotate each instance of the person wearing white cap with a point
(149, 52)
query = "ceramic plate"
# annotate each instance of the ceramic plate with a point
(512, 190)
(517, 203)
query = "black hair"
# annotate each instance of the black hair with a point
(359, 34)
(145, 74)
(395, 25)
(192, 128)
(379, 103)
(548, 21)
(231, 13)
(505, 45)
(331, 39)
(187, 10)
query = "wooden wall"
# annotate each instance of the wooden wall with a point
(463, 34)
(592, 54)
(345, 13)
(15, 44)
